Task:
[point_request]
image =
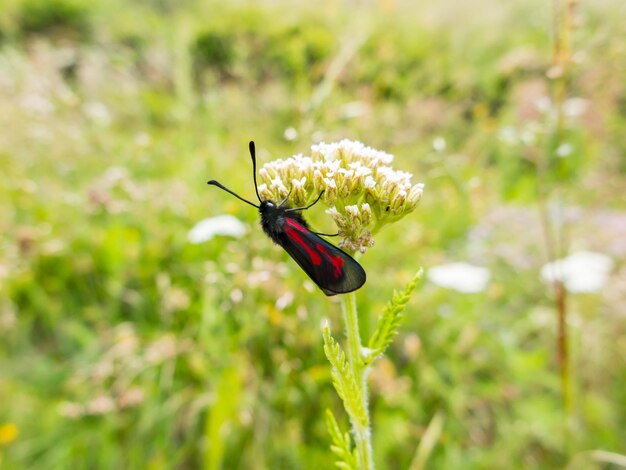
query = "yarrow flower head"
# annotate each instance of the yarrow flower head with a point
(362, 192)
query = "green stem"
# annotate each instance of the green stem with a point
(360, 430)
(562, 345)
(563, 13)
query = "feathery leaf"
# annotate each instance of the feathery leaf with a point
(389, 321)
(341, 445)
(344, 381)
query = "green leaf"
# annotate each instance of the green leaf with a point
(428, 441)
(344, 381)
(341, 445)
(389, 321)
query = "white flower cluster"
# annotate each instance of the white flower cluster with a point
(354, 222)
(581, 272)
(206, 229)
(460, 276)
(362, 191)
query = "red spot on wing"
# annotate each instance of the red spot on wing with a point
(295, 236)
(336, 261)
(292, 223)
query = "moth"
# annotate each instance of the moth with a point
(332, 269)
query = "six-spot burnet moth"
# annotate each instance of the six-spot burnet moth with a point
(332, 269)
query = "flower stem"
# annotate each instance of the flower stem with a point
(562, 345)
(360, 430)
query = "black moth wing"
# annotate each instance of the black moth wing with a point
(332, 269)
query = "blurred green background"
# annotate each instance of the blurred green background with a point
(122, 345)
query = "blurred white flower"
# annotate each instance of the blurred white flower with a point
(290, 133)
(236, 295)
(131, 397)
(583, 271)
(461, 277)
(564, 150)
(221, 225)
(98, 113)
(284, 300)
(37, 104)
(528, 136)
(100, 405)
(508, 135)
(142, 139)
(544, 104)
(317, 136)
(353, 109)
(439, 144)
(574, 107)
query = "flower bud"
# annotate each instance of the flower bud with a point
(415, 194)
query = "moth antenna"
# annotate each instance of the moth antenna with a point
(253, 156)
(221, 186)
(293, 209)
(284, 201)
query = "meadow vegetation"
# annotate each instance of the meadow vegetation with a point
(123, 345)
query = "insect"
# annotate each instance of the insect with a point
(332, 269)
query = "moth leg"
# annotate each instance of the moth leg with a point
(282, 203)
(327, 234)
(306, 207)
